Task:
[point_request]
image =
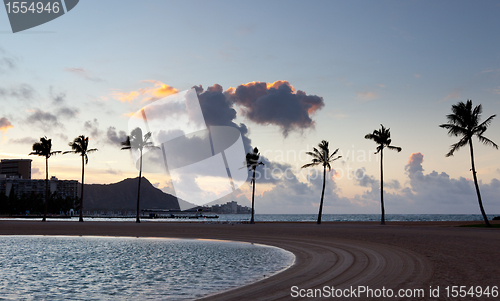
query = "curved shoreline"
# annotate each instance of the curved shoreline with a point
(399, 255)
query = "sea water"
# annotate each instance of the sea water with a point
(103, 268)
(295, 218)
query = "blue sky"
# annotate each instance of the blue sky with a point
(400, 63)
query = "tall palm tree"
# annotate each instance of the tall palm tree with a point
(137, 141)
(252, 160)
(464, 123)
(80, 146)
(383, 138)
(322, 156)
(44, 149)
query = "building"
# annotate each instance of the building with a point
(16, 168)
(230, 208)
(63, 188)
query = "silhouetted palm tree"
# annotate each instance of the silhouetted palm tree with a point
(252, 160)
(464, 123)
(383, 138)
(80, 146)
(44, 149)
(322, 156)
(136, 141)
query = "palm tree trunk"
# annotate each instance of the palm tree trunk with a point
(81, 195)
(477, 186)
(46, 188)
(137, 220)
(382, 220)
(322, 196)
(253, 196)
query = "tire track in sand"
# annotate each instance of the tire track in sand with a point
(339, 263)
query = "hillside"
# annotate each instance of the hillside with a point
(122, 196)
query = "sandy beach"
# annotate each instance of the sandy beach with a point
(400, 255)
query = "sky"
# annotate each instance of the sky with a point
(287, 74)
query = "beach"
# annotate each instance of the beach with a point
(399, 255)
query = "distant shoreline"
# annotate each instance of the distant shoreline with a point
(399, 255)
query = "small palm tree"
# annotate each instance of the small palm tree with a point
(252, 161)
(322, 156)
(383, 138)
(137, 141)
(44, 149)
(80, 146)
(464, 123)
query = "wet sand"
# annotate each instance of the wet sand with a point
(399, 255)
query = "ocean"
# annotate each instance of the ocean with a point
(299, 218)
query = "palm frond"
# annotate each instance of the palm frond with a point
(395, 148)
(456, 146)
(484, 125)
(310, 165)
(486, 141)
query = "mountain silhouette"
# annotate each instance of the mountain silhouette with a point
(122, 196)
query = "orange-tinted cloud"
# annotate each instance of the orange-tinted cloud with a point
(148, 94)
(415, 163)
(5, 124)
(159, 90)
(125, 97)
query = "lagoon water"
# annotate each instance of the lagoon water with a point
(104, 268)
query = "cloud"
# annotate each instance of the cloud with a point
(62, 110)
(125, 97)
(416, 75)
(25, 140)
(63, 137)
(149, 94)
(45, 120)
(83, 74)
(5, 125)
(276, 103)
(92, 126)
(292, 196)
(35, 171)
(67, 112)
(455, 94)
(115, 137)
(218, 110)
(21, 92)
(366, 96)
(7, 62)
(112, 171)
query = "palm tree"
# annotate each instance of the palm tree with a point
(44, 149)
(323, 157)
(80, 146)
(383, 138)
(136, 141)
(252, 160)
(464, 123)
